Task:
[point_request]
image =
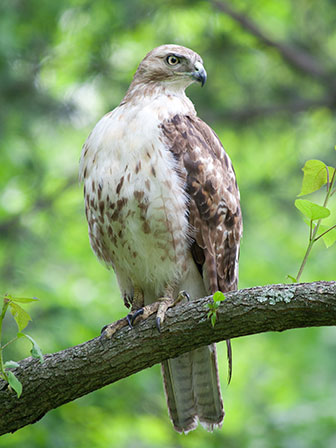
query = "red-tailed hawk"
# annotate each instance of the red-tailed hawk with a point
(162, 205)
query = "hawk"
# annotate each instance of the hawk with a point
(163, 210)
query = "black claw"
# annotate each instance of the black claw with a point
(186, 295)
(136, 314)
(129, 320)
(158, 324)
(132, 316)
(183, 295)
(103, 329)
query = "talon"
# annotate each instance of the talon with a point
(129, 320)
(183, 295)
(132, 316)
(136, 314)
(103, 329)
(108, 330)
(158, 324)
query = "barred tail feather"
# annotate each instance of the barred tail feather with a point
(192, 390)
(206, 386)
(177, 378)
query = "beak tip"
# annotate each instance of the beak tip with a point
(199, 74)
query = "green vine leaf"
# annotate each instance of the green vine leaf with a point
(218, 296)
(329, 237)
(14, 383)
(22, 299)
(21, 316)
(36, 352)
(213, 319)
(314, 176)
(311, 210)
(214, 305)
(11, 365)
(293, 279)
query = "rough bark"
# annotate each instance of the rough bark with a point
(76, 371)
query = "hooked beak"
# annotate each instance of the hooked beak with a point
(199, 74)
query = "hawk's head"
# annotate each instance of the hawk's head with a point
(171, 64)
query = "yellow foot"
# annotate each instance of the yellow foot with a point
(141, 314)
(168, 302)
(109, 330)
(159, 307)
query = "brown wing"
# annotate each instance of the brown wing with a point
(214, 208)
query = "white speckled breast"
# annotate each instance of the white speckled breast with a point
(135, 201)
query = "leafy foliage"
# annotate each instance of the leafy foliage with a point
(213, 306)
(22, 319)
(311, 210)
(316, 175)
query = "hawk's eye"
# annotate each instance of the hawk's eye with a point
(172, 60)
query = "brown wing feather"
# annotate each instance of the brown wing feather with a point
(214, 207)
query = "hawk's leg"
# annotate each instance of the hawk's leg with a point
(159, 307)
(167, 302)
(137, 306)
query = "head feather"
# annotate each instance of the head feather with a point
(154, 66)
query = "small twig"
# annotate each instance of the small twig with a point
(322, 234)
(3, 312)
(9, 342)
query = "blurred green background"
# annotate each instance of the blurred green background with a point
(271, 97)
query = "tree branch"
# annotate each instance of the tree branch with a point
(249, 112)
(76, 371)
(298, 58)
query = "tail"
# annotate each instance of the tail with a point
(192, 390)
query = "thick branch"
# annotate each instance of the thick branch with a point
(76, 371)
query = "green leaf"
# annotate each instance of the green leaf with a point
(292, 278)
(311, 210)
(36, 352)
(314, 176)
(218, 296)
(330, 237)
(11, 365)
(24, 299)
(20, 315)
(331, 170)
(213, 319)
(14, 383)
